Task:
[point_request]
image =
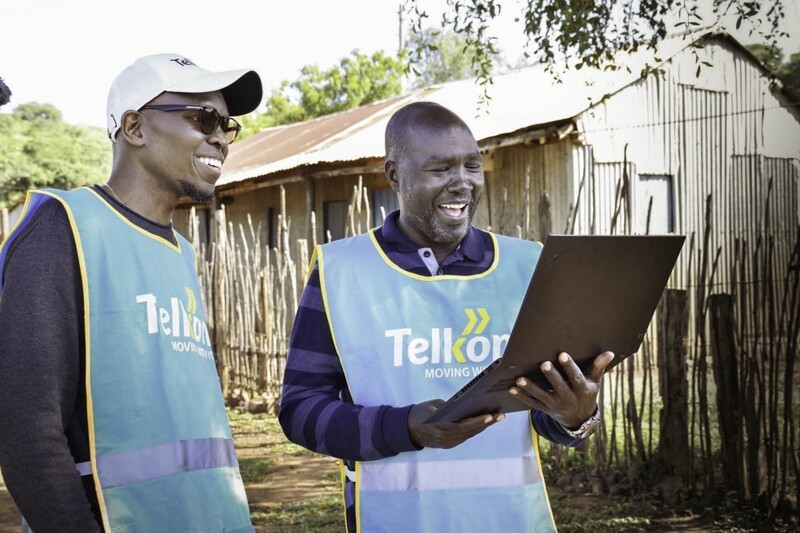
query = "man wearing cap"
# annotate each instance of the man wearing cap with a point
(111, 415)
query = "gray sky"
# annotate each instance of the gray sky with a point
(67, 52)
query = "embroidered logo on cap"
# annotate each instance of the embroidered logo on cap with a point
(182, 61)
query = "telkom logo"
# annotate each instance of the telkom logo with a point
(176, 320)
(439, 348)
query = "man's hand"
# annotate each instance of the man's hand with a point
(444, 434)
(573, 399)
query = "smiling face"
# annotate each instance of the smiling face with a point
(187, 161)
(438, 175)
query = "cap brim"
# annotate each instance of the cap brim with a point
(241, 89)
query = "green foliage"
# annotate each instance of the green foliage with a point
(790, 73)
(589, 33)
(34, 110)
(5, 93)
(357, 80)
(40, 150)
(772, 58)
(442, 57)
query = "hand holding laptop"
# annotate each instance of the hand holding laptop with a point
(573, 398)
(445, 434)
(588, 294)
(571, 402)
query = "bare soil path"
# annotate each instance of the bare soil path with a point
(279, 476)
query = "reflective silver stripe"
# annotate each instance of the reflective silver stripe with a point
(163, 460)
(443, 475)
(349, 474)
(85, 468)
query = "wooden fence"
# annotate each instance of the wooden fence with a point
(706, 407)
(251, 293)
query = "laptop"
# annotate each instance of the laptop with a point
(588, 294)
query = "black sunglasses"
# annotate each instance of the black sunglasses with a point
(209, 119)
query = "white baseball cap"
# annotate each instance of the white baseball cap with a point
(152, 75)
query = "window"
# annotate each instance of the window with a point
(382, 198)
(662, 214)
(272, 228)
(335, 218)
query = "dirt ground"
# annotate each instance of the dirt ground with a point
(295, 478)
(291, 479)
(9, 516)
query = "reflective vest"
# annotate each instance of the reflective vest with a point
(404, 339)
(161, 449)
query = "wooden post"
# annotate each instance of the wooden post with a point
(544, 228)
(673, 445)
(5, 228)
(726, 372)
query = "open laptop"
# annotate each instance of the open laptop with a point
(588, 294)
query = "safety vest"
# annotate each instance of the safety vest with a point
(161, 449)
(404, 339)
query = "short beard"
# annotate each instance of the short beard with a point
(428, 225)
(195, 194)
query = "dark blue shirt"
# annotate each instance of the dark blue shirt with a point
(316, 409)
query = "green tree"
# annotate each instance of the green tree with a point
(40, 150)
(772, 58)
(5, 93)
(591, 33)
(442, 57)
(791, 75)
(357, 80)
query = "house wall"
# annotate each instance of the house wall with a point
(676, 136)
(722, 134)
(523, 182)
(341, 189)
(261, 206)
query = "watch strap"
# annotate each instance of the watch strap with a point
(587, 427)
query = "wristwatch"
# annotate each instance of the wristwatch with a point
(587, 428)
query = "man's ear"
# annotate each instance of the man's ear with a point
(390, 169)
(131, 128)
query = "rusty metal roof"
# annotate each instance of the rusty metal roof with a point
(519, 100)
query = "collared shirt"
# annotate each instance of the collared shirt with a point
(316, 409)
(473, 255)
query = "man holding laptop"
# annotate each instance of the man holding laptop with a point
(393, 321)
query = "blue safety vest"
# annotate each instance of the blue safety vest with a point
(161, 449)
(404, 339)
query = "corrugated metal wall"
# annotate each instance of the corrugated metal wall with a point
(770, 210)
(722, 133)
(712, 134)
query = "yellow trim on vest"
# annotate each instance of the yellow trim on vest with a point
(175, 247)
(535, 438)
(25, 207)
(389, 262)
(87, 344)
(313, 260)
(321, 262)
(358, 496)
(343, 477)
